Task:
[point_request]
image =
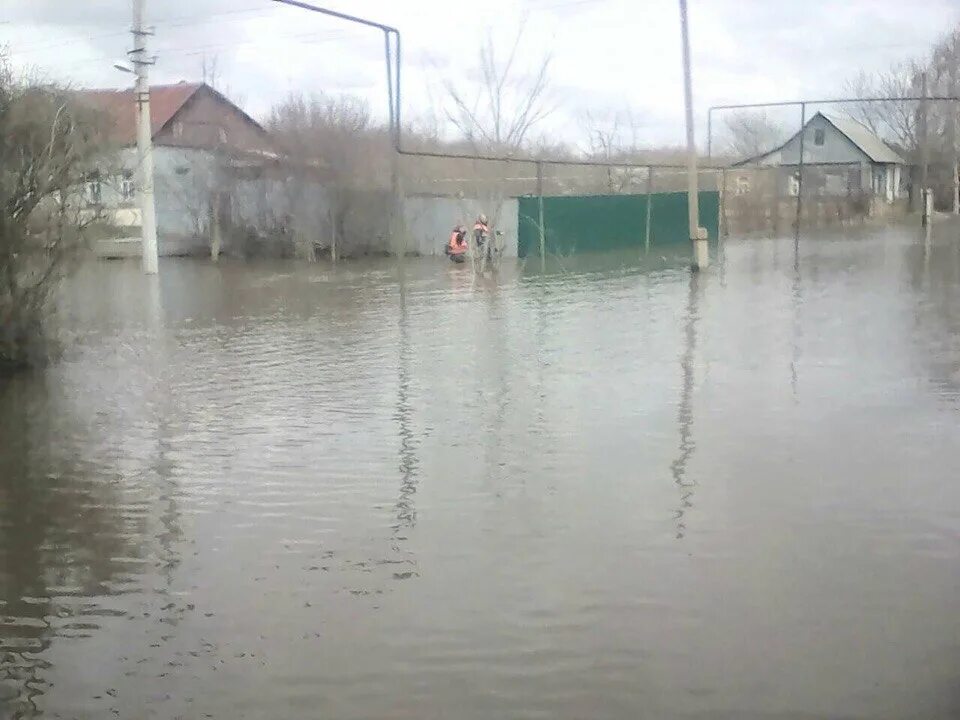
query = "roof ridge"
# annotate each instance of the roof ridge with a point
(833, 117)
(153, 86)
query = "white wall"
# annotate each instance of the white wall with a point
(429, 220)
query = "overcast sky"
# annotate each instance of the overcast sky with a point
(607, 55)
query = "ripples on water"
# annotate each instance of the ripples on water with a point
(618, 491)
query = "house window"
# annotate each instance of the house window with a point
(854, 180)
(879, 180)
(819, 134)
(793, 184)
(178, 129)
(223, 135)
(92, 189)
(127, 187)
(743, 185)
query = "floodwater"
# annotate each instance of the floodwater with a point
(615, 491)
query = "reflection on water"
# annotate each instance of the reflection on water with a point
(399, 492)
(406, 509)
(76, 536)
(685, 412)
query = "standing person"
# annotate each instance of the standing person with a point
(480, 230)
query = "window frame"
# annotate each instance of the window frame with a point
(126, 186)
(93, 189)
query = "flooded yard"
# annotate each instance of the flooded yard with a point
(617, 490)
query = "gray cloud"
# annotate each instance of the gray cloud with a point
(609, 54)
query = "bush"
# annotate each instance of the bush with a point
(47, 145)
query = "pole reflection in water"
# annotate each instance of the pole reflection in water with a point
(678, 468)
(68, 542)
(797, 299)
(496, 380)
(405, 508)
(164, 408)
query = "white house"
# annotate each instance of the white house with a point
(843, 156)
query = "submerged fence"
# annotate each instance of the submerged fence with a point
(595, 223)
(585, 207)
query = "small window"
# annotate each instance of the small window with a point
(178, 129)
(818, 136)
(223, 135)
(127, 187)
(92, 190)
(743, 185)
(854, 180)
(793, 185)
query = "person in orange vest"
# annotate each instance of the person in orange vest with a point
(480, 230)
(457, 246)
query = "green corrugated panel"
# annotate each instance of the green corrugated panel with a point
(595, 223)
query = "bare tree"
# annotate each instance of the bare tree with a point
(210, 70)
(943, 120)
(47, 147)
(751, 133)
(334, 138)
(613, 137)
(893, 120)
(508, 104)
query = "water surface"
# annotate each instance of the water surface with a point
(618, 490)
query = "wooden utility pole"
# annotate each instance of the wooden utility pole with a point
(698, 236)
(148, 210)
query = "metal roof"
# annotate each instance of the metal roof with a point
(120, 107)
(861, 136)
(166, 101)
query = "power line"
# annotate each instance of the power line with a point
(190, 50)
(174, 22)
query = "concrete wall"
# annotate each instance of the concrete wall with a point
(296, 210)
(185, 180)
(429, 220)
(278, 211)
(182, 178)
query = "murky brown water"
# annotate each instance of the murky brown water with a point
(620, 492)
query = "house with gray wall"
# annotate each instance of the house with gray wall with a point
(218, 173)
(841, 157)
(212, 163)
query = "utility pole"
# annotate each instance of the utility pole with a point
(698, 236)
(148, 211)
(955, 154)
(924, 155)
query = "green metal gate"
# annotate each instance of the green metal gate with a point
(595, 223)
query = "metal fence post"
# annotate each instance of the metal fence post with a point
(710, 134)
(803, 123)
(543, 232)
(646, 242)
(722, 220)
